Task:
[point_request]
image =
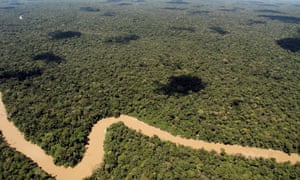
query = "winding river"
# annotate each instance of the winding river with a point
(94, 154)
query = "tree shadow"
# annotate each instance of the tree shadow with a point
(251, 22)
(56, 35)
(122, 38)
(113, 1)
(89, 9)
(7, 7)
(291, 44)
(125, 4)
(199, 12)
(181, 85)
(230, 10)
(109, 14)
(47, 57)
(178, 2)
(285, 19)
(20, 74)
(219, 30)
(269, 5)
(174, 8)
(269, 11)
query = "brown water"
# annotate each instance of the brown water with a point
(94, 154)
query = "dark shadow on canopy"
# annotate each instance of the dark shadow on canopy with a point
(47, 57)
(113, 1)
(178, 2)
(219, 30)
(181, 85)
(122, 38)
(64, 34)
(252, 22)
(20, 74)
(285, 19)
(199, 12)
(89, 9)
(174, 8)
(269, 11)
(291, 44)
(7, 7)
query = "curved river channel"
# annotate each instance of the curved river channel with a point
(94, 153)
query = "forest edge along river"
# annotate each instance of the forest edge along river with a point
(94, 154)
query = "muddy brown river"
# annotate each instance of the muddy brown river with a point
(93, 157)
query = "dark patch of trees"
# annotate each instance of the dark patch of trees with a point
(189, 29)
(269, 5)
(251, 22)
(7, 7)
(269, 11)
(109, 14)
(183, 85)
(47, 57)
(174, 8)
(229, 10)
(16, 3)
(124, 4)
(56, 35)
(199, 12)
(20, 74)
(291, 44)
(113, 1)
(122, 38)
(285, 19)
(89, 9)
(178, 2)
(219, 30)
(236, 102)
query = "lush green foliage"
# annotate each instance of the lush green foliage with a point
(14, 165)
(130, 155)
(251, 94)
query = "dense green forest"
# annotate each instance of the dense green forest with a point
(14, 165)
(211, 70)
(130, 155)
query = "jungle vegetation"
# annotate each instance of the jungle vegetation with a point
(130, 155)
(15, 165)
(248, 80)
